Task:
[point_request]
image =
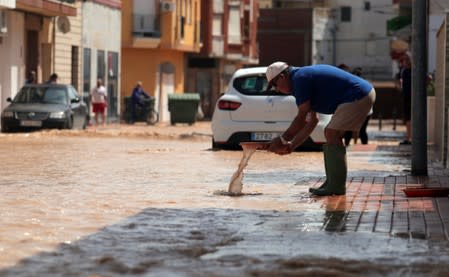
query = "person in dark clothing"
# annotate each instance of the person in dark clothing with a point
(31, 78)
(363, 135)
(53, 79)
(406, 85)
(137, 96)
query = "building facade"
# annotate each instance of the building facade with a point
(27, 41)
(229, 42)
(101, 51)
(156, 38)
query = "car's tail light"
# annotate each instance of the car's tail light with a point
(228, 105)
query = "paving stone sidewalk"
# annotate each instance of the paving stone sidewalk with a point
(379, 204)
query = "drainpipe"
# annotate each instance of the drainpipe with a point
(53, 46)
(334, 46)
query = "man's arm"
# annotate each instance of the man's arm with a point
(305, 132)
(146, 94)
(298, 123)
(298, 129)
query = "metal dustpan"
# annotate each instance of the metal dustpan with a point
(426, 192)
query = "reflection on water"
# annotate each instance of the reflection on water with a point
(117, 206)
(220, 242)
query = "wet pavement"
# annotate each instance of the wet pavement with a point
(140, 200)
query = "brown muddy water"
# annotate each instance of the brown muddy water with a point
(123, 206)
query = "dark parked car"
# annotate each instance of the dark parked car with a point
(39, 106)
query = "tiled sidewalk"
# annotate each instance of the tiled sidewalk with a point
(378, 204)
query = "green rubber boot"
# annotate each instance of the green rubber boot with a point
(324, 185)
(336, 171)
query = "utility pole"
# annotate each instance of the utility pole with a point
(419, 94)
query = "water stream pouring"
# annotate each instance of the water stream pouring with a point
(236, 185)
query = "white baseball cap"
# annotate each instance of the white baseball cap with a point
(273, 70)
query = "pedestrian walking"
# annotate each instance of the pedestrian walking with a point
(99, 100)
(329, 90)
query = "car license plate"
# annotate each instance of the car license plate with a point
(263, 136)
(31, 123)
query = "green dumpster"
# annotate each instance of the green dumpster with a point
(144, 113)
(183, 107)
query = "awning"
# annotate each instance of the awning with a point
(398, 23)
(47, 7)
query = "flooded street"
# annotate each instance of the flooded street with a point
(91, 205)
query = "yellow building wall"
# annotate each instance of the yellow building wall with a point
(170, 25)
(143, 65)
(142, 57)
(127, 9)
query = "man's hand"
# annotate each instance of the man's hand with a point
(277, 147)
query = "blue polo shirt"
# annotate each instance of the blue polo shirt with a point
(326, 87)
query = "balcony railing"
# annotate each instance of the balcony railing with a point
(146, 25)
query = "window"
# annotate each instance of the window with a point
(146, 18)
(246, 25)
(73, 94)
(345, 14)
(100, 65)
(55, 96)
(112, 84)
(216, 25)
(86, 75)
(234, 33)
(367, 5)
(254, 85)
(217, 6)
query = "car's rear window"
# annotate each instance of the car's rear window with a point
(253, 85)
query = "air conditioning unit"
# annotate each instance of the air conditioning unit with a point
(167, 6)
(3, 23)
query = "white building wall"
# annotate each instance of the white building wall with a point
(322, 39)
(12, 65)
(363, 41)
(102, 31)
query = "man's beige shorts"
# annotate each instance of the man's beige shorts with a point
(350, 116)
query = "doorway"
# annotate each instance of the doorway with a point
(32, 52)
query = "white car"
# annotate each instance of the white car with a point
(248, 112)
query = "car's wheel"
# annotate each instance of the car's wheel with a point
(5, 128)
(69, 123)
(215, 145)
(153, 117)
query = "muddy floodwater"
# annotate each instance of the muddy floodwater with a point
(75, 205)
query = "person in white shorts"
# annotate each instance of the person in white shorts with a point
(99, 100)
